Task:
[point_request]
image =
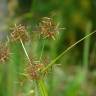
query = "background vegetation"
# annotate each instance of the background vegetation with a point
(74, 74)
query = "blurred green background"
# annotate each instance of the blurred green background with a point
(75, 73)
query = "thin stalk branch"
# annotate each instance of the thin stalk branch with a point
(25, 51)
(42, 50)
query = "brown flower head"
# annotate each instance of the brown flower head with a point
(4, 53)
(48, 28)
(19, 32)
(33, 71)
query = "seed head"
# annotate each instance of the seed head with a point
(4, 53)
(33, 71)
(48, 28)
(19, 32)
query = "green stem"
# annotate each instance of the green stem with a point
(70, 47)
(87, 47)
(25, 51)
(42, 50)
(42, 87)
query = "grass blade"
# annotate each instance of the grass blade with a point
(70, 47)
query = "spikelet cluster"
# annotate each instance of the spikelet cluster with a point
(33, 70)
(4, 53)
(19, 32)
(48, 28)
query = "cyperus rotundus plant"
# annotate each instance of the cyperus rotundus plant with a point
(36, 70)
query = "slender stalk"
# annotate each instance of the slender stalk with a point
(70, 47)
(25, 51)
(87, 47)
(42, 50)
(42, 87)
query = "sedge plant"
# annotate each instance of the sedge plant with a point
(36, 70)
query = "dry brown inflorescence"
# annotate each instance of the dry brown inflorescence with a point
(33, 70)
(19, 32)
(48, 28)
(4, 52)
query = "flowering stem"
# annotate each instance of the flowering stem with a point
(42, 87)
(70, 47)
(25, 51)
(42, 50)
